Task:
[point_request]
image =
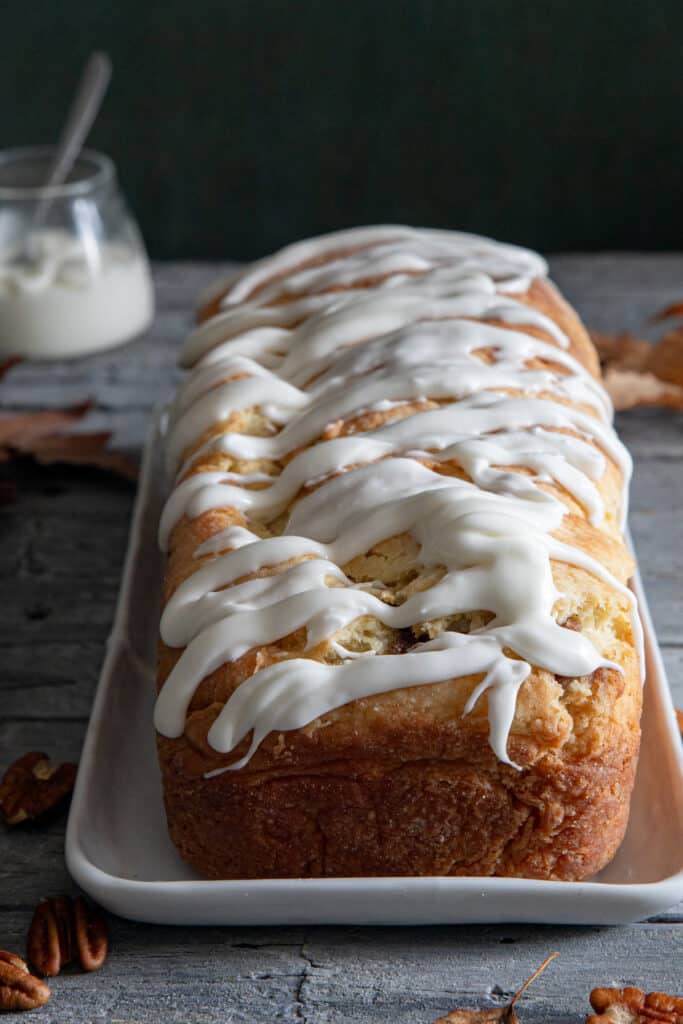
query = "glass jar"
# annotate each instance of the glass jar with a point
(74, 274)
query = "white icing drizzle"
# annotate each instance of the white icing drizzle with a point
(333, 321)
(224, 540)
(298, 691)
(362, 254)
(434, 359)
(422, 333)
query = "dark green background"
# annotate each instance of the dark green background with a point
(241, 125)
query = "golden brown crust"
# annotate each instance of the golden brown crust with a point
(402, 783)
(434, 816)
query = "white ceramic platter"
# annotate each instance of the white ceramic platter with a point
(118, 850)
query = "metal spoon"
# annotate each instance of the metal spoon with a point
(82, 113)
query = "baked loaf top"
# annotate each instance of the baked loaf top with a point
(398, 500)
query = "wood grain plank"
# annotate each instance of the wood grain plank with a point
(49, 679)
(32, 612)
(172, 976)
(619, 291)
(406, 975)
(358, 976)
(17, 735)
(652, 433)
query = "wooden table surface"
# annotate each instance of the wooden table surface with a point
(61, 549)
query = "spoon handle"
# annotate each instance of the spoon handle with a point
(83, 111)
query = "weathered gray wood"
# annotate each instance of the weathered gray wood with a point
(65, 692)
(368, 976)
(366, 980)
(62, 740)
(61, 551)
(619, 291)
(37, 610)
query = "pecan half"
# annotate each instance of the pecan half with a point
(11, 958)
(633, 1006)
(49, 945)
(19, 990)
(62, 930)
(92, 940)
(32, 786)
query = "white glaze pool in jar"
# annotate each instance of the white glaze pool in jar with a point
(74, 275)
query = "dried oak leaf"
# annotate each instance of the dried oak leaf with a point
(666, 359)
(636, 373)
(43, 436)
(675, 309)
(7, 365)
(629, 389)
(495, 1014)
(622, 350)
(83, 450)
(633, 1006)
(19, 431)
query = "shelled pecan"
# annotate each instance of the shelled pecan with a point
(90, 930)
(63, 930)
(633, 1006)
(50, 945)
(19, 989)
(32, 786)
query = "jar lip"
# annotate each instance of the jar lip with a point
(96, 170)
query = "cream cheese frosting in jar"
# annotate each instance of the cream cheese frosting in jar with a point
(74, 275)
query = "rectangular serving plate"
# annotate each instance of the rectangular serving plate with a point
(118, 850)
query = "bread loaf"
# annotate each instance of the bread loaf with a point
(397, 637)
